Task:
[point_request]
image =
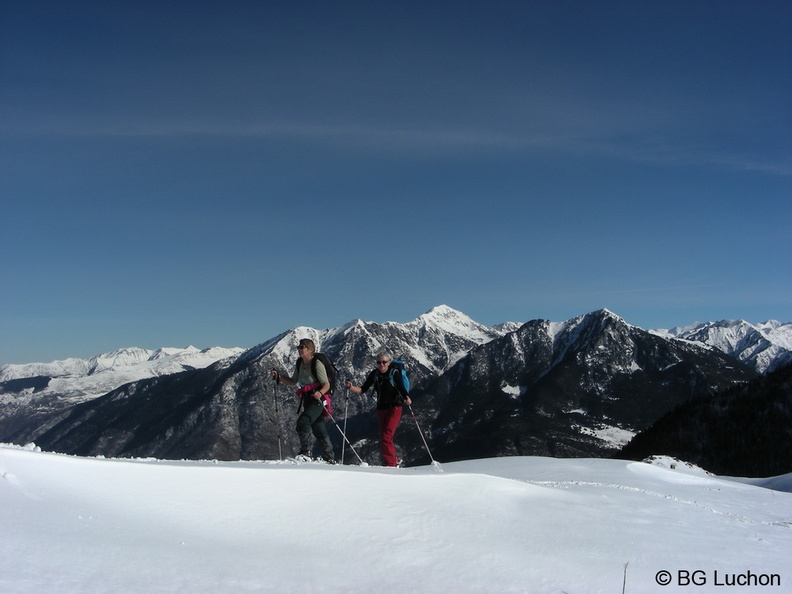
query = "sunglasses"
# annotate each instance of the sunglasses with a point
(302, 346)
(383, 362)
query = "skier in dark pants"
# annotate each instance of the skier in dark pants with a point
(312, 378)
(390, 399)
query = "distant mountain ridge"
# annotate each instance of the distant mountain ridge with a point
(134, 360)
(765, 347)
(581, 387)
(31, 392)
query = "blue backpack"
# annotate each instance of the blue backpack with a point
(397, 376)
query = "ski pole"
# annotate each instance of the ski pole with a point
(414, 418)
(342, 433)
(277, 414)
(346, 414)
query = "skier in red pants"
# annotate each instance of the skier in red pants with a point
(391, 395)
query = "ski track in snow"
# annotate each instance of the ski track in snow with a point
(738, 517)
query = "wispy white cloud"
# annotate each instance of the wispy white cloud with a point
(641, 146)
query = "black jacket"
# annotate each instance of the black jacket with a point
(388, 395)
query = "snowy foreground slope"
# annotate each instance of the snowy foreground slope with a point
(70, 524)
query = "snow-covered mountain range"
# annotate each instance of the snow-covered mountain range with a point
(764, 347)
(430, 344)
(31, 391)
(581, 387)
(93, 375)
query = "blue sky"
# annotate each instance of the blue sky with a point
(214, 173)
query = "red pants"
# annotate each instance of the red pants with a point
(388, 421)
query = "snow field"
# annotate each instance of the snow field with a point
(501, 525)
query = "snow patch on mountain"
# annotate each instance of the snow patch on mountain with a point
(512, 391)
(617, 437)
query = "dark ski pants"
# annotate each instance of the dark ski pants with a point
(312, 421)
(388, 421)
